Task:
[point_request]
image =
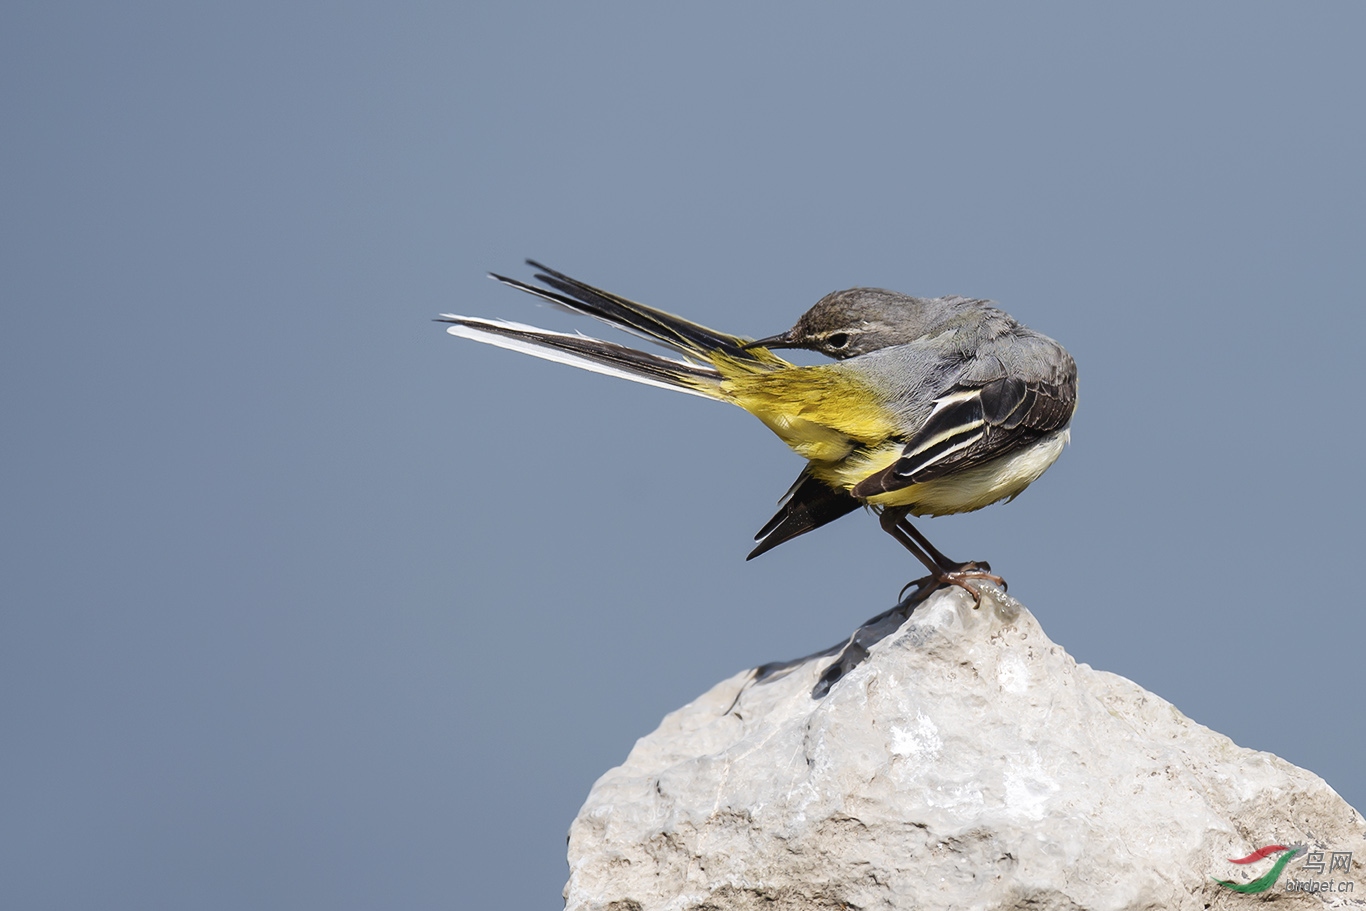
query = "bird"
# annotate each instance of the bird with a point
(927, 407)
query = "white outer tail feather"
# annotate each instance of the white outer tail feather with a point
(527, 341)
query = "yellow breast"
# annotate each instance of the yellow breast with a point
(824, 414)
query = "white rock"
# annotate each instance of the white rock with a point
(960, 760)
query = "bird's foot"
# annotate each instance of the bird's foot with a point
(956, 574)
(923, 586)
(960, 578)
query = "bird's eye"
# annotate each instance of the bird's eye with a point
(838, 340)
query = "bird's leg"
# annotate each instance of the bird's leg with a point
(894, 522)
(943, 571)
(976, 569)
(892, 519)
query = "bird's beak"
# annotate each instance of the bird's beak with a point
(782, 340)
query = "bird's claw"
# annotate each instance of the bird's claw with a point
(958, 575)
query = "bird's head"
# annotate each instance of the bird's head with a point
(848, 323)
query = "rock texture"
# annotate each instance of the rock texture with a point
(953, 759)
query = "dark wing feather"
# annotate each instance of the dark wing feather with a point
(976, 424)
(809, 504)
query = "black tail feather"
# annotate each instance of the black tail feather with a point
(808, 505)
(587, 352)
(656, 325)
(663, 327)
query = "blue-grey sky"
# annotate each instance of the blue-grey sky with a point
(308, 605)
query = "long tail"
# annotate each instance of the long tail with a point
(590, 354)
(703, 349)
(709, 360)
(688, 338)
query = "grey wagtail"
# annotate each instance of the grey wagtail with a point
(933, 406)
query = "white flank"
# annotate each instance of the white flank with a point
(999, 479)
(531, 340)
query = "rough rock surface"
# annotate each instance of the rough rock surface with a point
(953, 759)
